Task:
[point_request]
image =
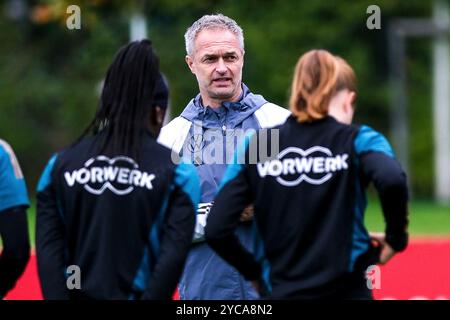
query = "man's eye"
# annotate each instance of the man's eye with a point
(231, 58)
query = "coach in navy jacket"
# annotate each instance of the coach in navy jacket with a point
(207, 132)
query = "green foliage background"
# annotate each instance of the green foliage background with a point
(50, 76)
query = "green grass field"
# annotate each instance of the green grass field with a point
(426, 218)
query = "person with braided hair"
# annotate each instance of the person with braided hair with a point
(114, 204)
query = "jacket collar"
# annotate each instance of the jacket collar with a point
(229, 114)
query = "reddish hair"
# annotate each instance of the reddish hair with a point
(318, 76)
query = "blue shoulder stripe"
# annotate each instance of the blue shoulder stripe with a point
(45, 179)
(151, 251)
(186, 177)
(13, 191)
(260, 256)
(234, 168)
(369, 140)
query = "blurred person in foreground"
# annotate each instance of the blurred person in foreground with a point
(113, 203)
(309, 199)
(13, 220)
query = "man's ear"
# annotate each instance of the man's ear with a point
(190, 63)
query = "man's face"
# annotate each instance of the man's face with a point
(217, 63)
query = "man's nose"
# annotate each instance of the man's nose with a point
(221, 66)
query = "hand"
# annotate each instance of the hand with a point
(259, 286)
(256, 285)
(379, 239)
(247, 214)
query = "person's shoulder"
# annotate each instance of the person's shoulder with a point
(70, 155)
(176, 123)
(155, 154)
(5, 148)
(59, 158)
(175, 130)
(3, 143)
(159, 149)
(271, 115)
(370, 140)
(272, 107)
(368, 132)
(8, 158)
(74, 150)
(3, 154)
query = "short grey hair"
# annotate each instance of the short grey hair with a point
(210, 22)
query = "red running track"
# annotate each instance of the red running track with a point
(421, 272)
(28, 287)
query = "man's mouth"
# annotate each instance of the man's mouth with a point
(222, 81)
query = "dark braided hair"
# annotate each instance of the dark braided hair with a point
(127, 100)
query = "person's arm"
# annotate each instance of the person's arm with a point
(13, 219)
(177, 227)
(380, 166)
(233, 197)
(390, 181)
(16, 247)
(50, 239)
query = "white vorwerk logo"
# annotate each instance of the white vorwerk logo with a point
(120, 175)
(294, 165)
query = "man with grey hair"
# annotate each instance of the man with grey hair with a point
(207, 132)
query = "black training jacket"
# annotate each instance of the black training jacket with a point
(309, 202)
(126, 225)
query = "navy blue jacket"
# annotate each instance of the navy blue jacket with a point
(209, 137)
